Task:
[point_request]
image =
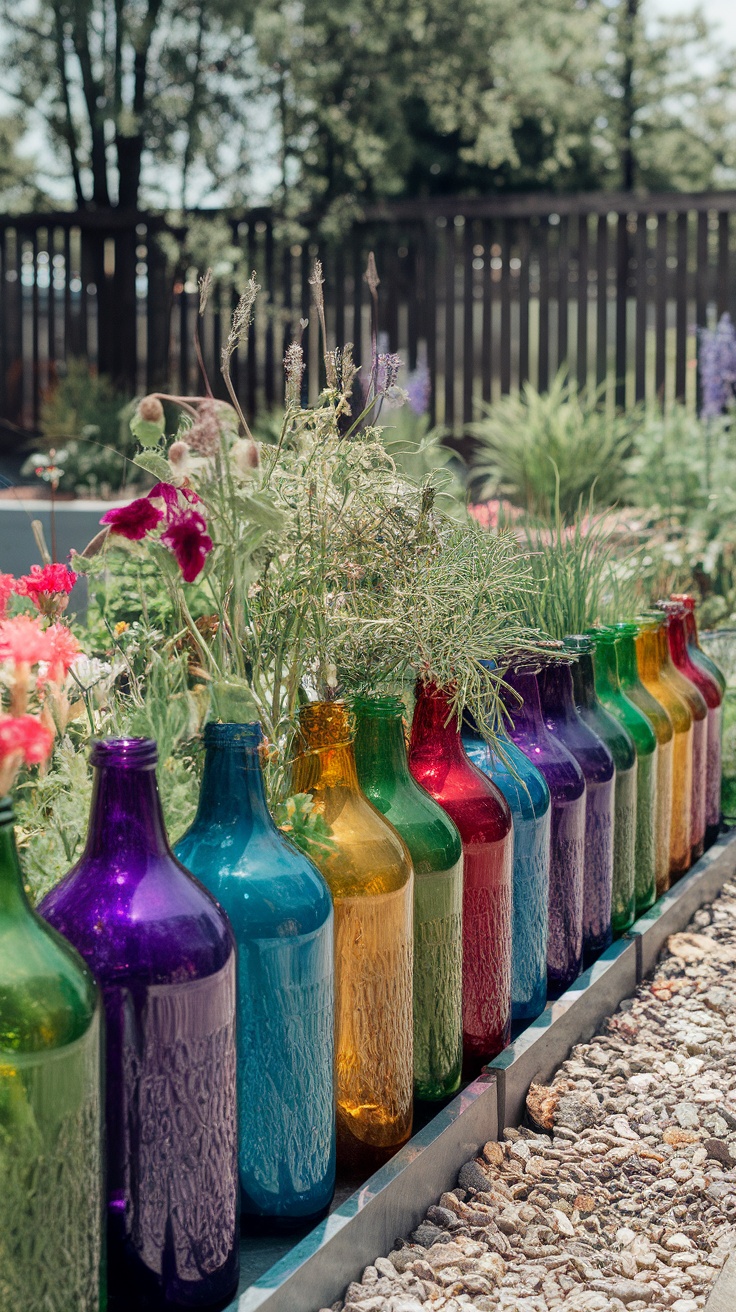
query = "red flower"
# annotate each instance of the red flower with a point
(47, 587)
(63, 649)
(187, 537)
(134, 520)
(25, 737)
(167, 493)
(7, 588)
(23, 641)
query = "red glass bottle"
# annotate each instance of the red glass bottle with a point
(689, 691)
(708, 686)
(439, 763)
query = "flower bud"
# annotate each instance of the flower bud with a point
(151, 409)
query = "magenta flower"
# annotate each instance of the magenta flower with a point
(134, 520)
(187, 538)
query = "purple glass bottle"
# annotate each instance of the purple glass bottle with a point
(164, 955)
(566, 784)
(596, 763)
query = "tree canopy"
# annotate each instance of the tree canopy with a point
(323, 107)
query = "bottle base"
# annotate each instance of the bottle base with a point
(282, 1225)
(711, 835)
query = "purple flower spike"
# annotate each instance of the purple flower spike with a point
(717, 361)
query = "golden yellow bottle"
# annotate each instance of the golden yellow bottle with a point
(369, 873)
(651, 648)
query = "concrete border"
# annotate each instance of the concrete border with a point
(722, 1297)
(315, 1272)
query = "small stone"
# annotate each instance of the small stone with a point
(385, 1268)
(677, 1243)
(541, 1105)
(717, 1151)
(472, 1176)
(686, 1115)
(684, 1305)
(584, 1203)
(440, 1216)
(562, 1223)
(578, 1111)
(425, 1234)
(676, 1137)
(493, 1153)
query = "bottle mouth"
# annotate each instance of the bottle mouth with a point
(325, 724)
(233, 735)
(626, 628)
(387, 707)
(605, 635)
(579, 642)
(124, 753)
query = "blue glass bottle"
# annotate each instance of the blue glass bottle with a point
(528, 795)
(281, 913)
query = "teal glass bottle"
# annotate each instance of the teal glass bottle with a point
(51, 1122)
(612, 696)
(621, 746)
(436, 851)
(528, 796)
(280, 910)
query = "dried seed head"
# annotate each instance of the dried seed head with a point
(294, 366)
(151, 410)
(316, 282)
(242, 319)
(371, 274)
(205, 287)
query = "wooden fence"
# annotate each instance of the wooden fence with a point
(483, 293)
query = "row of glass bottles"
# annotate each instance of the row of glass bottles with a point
(163, 953)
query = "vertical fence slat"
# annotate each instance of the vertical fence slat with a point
(563, 289)
(506, 233)
(429, 238)
(468, 336)
(357, 261)
(487, 323)
(543, 348)
(660, 307)
(622, 285)
(640, 366)
(524, 257)
(722, 282)
(681, 309)
(582, 299)
(601, 307)
(450, 324)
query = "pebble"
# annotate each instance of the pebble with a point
(622, 1197)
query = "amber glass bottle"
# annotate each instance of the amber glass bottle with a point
(369, 873)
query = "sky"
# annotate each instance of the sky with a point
(717, 11)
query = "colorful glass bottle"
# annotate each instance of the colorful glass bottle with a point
(596, 762)
(653, 676)
(683, 654)
(528, 796)
(437, 857)
(620, 744)
(697, 654)
(369, 874)
(280, 910)
(674, 642)
(566, 784)
(661, 723)
(613, 698)
(479, 809)
(164, 955)
(51, 1132)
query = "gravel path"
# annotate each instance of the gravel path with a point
(628, 1201)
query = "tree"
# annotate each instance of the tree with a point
(134, 86)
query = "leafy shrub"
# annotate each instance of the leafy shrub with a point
(89, 420)
(536, 448)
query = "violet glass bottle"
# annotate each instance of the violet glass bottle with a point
(566, 784)
(596, 762)
(164, 955)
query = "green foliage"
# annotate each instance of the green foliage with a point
(89, 419)
(52, 813)
(537, 448)
(418, 451)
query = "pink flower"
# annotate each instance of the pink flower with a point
(7, 588)
(48, 587)
(25, 737)
(134, 520)
(63, 649)
(187, 537)
(167, 493)
(23, 641)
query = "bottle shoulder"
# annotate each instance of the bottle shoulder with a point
(430, 835)
(564, 777)
(363, 855)
(616, 738)
(522, 784)
(654, 711)
(634, 721)
(48, 996)
(586, 745)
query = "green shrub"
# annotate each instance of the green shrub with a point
(87, 420)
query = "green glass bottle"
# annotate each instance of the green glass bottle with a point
(51, 1194)
(658, 717)
(436, 852)
(611, 694)
(620, 744)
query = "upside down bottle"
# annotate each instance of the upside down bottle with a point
(439, 763)
(653, 676)
(685, 654)
(661, 723)
(613, 698)
(673, 642)
(369, 874)
(164, 955)
(595, 761)
(620, 744)
(280, 910)
(566, 784)
(436, 852)
(528, 796)
(51, 1131)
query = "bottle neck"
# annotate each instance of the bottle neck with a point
(232, 790)
(676, 638)
(326, 758)
(526, 716)
(628, 673)
(126, 815)
(380, 746)
(647, 654)
(606, 667)
(13, 900)
(557, 693)
(583, 680)
(434, 729)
